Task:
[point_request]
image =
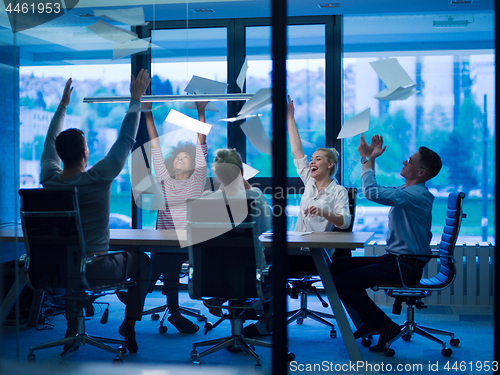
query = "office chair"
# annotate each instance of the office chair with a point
(196, 313)
(225, 262)
(412, 294)
(303, 274)
(56, 260)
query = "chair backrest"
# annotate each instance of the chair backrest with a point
(53, 236)
(351, 195)
(225, 265)
(454, 215)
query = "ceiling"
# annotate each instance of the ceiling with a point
(369, 25)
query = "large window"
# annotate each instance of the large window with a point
(41, 88)
(452, 114)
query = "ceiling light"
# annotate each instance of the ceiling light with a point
(203, 10)
(451, 23)
(329, 5)
(461, 1)
(170, 98)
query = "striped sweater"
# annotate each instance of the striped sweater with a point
(175, 192)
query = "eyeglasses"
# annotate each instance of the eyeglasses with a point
(411, 162)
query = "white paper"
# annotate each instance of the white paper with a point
(121, 50)
(399, 84)
(256, 134)
(187, 122)
(288, 233)
(242, 117)
(209, 107)
(260, 99)
(355, 125)
(129, 16)
(202, 85)
(115, 34)
(240, 81)
(249, 172)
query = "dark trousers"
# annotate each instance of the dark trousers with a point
(111, 267)
(352, 276)
(168, 264)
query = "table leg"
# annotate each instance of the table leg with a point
(322, 262)
(12, 296)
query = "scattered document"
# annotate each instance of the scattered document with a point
(242, 117)
(288, 233)
(187, 122)
(355, 125)
(129, 16)
(260, 99)
(121, 50)
(248, 171)
(113, 33)
(200, 85)
(399, 84)
(240, 81)
(256, 134)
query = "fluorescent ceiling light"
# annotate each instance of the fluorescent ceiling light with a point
(329, 5)
(451, 23)
(461, 2)
(170, 98)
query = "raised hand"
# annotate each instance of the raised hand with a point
(290, 113)
(378, 148)
(67, 93)
(364, 149)
(139, 85)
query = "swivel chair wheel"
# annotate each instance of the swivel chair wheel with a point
(446, 352)
(389, 352)
(333, 334)
(258, 367)
(406, 337)
(117, 361)
(162, 329)
(300, 320)
(155, 316)
(31, 358)
(454, 342)
(194, 354)
(366, 342)
(290, 357)
(122, 350)
(208, 326)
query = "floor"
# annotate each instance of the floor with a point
(315, 350)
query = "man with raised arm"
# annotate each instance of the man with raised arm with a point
(94, 192)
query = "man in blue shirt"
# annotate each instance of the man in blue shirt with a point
(410, 220)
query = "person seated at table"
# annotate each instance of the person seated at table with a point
(94, 187)
(410, 220)
(182, 175)
(229, 170)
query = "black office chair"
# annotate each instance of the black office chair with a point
(225, 258)
(196, 313)
(56, 260)
(303, 274)
(412, 294)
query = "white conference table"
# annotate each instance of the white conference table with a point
(152, 240)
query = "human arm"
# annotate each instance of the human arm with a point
(200, 106)
(50, 160)
(150, 124)
(335, 211)
(293, 133)
(372, 151)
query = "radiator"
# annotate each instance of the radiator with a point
(473, 285)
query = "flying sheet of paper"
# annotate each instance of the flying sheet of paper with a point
(355, 125)
(129, 16)
(187, 122)
(256, 134)
(249, 172)
(113, 33)
(240, 81)
(242, 117)
(202, 85)
(395, 77)
(128, 48)
(400, 93)
(260, 99)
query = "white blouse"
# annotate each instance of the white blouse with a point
(333, 199)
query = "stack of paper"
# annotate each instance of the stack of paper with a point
(200, 85)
